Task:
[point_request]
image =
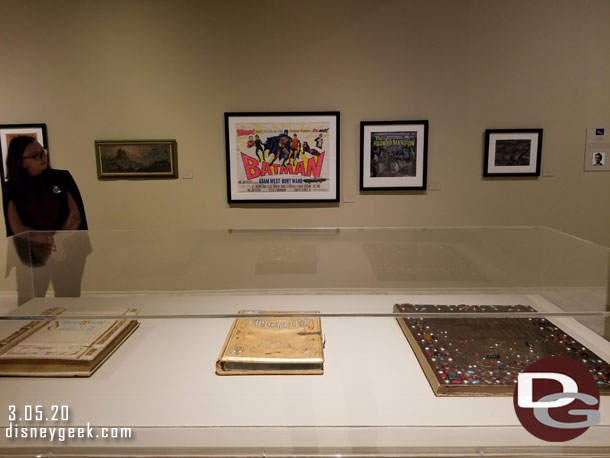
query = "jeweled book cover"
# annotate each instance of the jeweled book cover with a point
(276, 345)
(481, 356)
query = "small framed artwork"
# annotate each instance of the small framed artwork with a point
(130, 159)
(282, 157)
(10, 131)
(393, 155)
(512, 152)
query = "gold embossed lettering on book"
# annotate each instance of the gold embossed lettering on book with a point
(482, 355)
(259, 345)
(63, 347)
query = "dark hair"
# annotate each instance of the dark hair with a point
(15, 172)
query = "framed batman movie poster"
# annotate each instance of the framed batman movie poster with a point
(282, 157)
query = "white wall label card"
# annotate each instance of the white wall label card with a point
(597, 150)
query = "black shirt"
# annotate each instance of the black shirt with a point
(42, 201)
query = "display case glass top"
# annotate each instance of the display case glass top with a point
(371, 395)
(571, 272)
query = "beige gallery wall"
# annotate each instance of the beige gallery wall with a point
(170, 69)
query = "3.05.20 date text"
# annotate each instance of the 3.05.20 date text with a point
(38, 413)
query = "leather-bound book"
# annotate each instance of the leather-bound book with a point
(62, 347)
(285, 344)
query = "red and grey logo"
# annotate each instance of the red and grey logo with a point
(556, 399)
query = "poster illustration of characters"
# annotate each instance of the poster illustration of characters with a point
(393, 154)
(282, 157)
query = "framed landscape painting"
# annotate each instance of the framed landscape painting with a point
(512, 152)
(393, 155)
(282, 157)
(129, 159)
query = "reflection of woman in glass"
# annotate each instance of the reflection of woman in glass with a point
(40, 200)
(598, 159)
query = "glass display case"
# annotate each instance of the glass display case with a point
(158, 392)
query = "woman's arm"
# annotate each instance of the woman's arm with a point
(17, 226)
(15, 221)
(73, 221)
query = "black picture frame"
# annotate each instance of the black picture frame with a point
(512, 152)
(282, 157)
(9, 131)
(393, 155)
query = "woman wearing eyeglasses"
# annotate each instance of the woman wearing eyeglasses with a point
(41, 200)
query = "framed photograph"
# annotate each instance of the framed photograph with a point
(130, 159)
(10, 131)
(282, 157)
(393, 155)
(512, 152)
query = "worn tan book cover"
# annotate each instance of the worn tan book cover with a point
(62, 347)
(259, 345)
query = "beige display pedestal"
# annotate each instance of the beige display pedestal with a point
(372, 399)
